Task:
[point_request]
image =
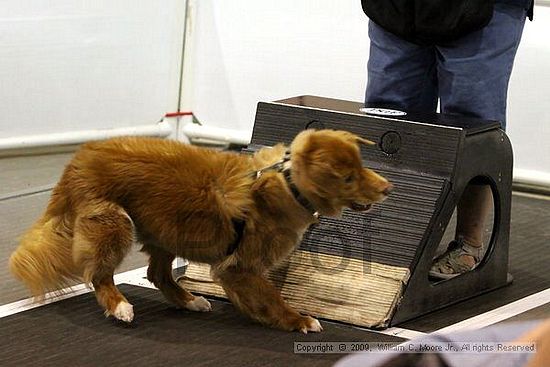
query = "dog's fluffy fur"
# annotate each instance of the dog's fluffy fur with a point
(181, 200)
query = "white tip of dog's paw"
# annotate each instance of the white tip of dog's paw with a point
(313, 325)
(199, 304)
(124, 312)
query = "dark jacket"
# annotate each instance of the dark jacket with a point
(527, 4)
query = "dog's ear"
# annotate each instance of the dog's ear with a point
(356, 138)
(364, 141)
(359, 140)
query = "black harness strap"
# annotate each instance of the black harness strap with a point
(238, 226)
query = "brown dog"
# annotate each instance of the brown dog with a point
(207, 206)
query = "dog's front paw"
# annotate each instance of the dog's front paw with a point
(308, 323)
(199, 304)
(124, 312)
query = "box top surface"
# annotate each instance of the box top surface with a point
(470, 125)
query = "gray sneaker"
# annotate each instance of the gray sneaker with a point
(449, 264)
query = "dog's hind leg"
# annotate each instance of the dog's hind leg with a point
(103, 236)
(160, 274)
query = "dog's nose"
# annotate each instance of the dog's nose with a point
(388, 189)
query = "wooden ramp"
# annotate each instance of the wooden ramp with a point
(325, 286)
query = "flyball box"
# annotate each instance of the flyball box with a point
(371, 269)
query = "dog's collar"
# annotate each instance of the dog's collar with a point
(283, 167)
(298, 196)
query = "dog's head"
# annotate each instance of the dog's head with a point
(327, 169)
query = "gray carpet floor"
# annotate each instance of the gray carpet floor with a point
(74, 332)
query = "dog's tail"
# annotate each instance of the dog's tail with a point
(44, 260)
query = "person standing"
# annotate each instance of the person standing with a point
(455, 53)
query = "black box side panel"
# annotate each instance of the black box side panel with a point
(390, 233)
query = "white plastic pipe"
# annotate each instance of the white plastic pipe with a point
(196, 131)
(530, 177)
(161, 129)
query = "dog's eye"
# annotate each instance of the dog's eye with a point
(349, 179)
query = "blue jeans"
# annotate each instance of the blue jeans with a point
(469, 76)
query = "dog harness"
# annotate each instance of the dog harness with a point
(279, 166)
